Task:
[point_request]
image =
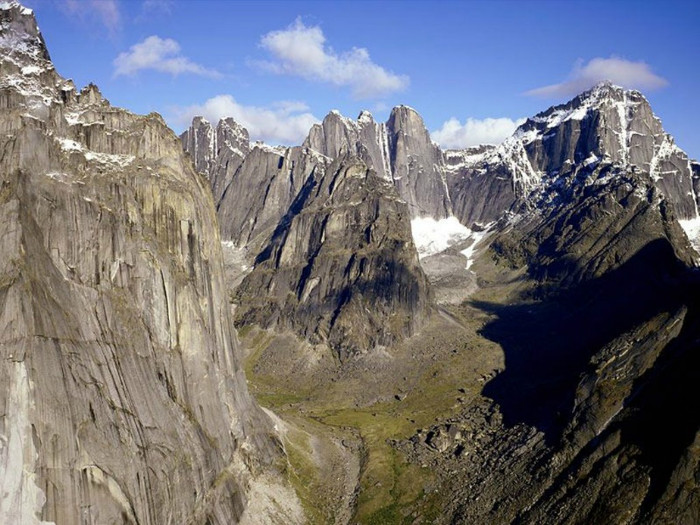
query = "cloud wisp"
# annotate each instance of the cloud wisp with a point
(301, 50)
(455, 135)
(626, 73)
(106, 12)
(162, 7)
(285, 122)
(158, 54)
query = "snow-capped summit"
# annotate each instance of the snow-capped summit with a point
(606, 125)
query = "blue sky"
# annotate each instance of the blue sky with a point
(472, 69)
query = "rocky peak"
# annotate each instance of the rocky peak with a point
(207, 144)
(365, 117)
(609, 124)
(19, 33)
(416, 163)
(555, 149)
(338, 136)
(27, 76)
(405, 119)
(199, 140)
(606, 122)
(91, 95)
(231, 134)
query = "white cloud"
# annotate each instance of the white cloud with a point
(285, 122)
(301, 51)
(626, 73)
(455, 135)
(159, 54)
(104, 11)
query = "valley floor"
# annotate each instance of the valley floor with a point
(347, 426)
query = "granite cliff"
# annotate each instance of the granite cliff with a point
(122, 398)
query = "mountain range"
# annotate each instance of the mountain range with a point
(502, 334)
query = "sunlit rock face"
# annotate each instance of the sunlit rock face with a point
(121, 393)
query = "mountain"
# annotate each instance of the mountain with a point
(606, 125)
(328, 212)
(575, 164)
(573, 239)
(400, 151)
(253, 185)
(599, 325)
(123, 398)
(341, 266)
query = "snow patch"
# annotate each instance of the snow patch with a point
(457, 159)
(73, 118)
(31, 70)
(277, 150)
(69, 145)
(112, 159)
(434, 236)
(476, 239)
(691, 227)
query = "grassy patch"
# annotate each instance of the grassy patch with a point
(430, 373)
(304, 476)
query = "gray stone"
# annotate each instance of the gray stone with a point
(122, 398)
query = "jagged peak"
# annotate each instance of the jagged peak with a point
(365, 117)
(91, 94)
(607, 88)
(19, 32)
(7, 5)
(334, 115)
(230, 124)
(199, 121)
(578, 107)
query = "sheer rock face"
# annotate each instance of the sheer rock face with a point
(400, 151)
(341, 267)
(216, 152)
(122, 397)
(262, 190)
(417, 165)
(338, 136)
(480, 195)
(254, 185)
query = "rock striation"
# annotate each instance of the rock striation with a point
(122, 397)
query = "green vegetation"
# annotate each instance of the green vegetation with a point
(411, 388)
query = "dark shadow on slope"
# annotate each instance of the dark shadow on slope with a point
(282, 229)
(664, 415)
(657, 427)
(548, 344)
